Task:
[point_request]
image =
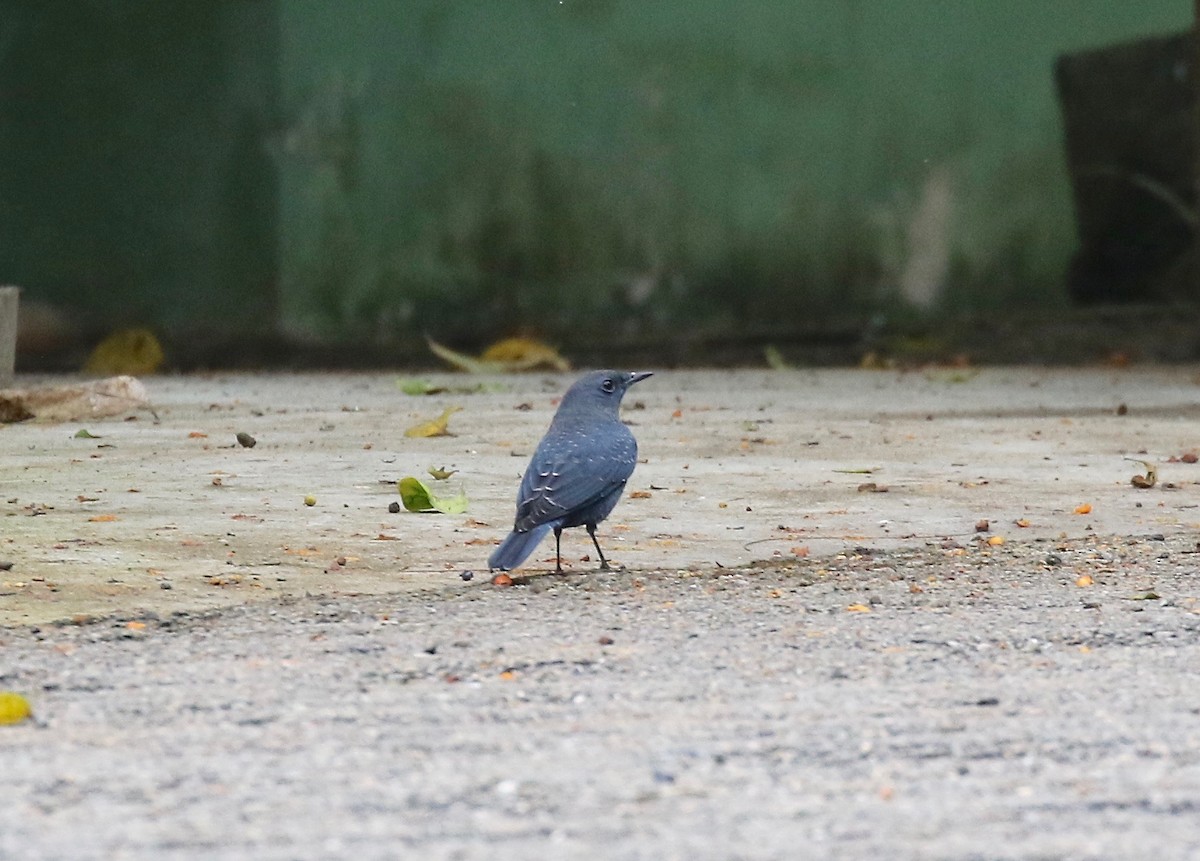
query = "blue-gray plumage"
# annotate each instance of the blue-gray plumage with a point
(578, 471)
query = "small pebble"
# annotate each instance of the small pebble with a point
(466, 575)
(393, 508)
(245, 440)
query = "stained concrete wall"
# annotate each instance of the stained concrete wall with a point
(360, 170)
(548, 163)
(134, 182)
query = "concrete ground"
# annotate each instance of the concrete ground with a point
(862, 614)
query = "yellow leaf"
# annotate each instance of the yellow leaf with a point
(858, 608)
(14, 708)
(995, 540)
(1084, 580)
(519, 354)
(461, 360)
(434, 427)
(129, 351)
(511, 354)
(1085, 508)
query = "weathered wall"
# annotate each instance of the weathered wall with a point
(134, 182)
(367, 168)
(549, 163)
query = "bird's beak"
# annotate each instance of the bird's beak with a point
(638, 376)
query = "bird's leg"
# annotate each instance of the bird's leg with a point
(591, 528)
(558, 550)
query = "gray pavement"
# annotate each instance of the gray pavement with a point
(789, 667)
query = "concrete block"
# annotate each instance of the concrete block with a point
(8, 333)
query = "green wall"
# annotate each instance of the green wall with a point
(482, 164)
(135, 184)
(366, 169)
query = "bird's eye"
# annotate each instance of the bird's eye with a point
(609, 386)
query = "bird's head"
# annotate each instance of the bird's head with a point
(600, 390)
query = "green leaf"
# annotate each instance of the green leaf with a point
(1147, 596)
(440, 473)
(84, 433)
(775, 359)
(414, 386)
(419, 498)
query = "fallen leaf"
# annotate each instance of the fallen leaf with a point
(434, 427)
(864, 471)
(84, 433)
(858, 608)
(774, 359)
(14, 708)
(440, 473)
(1084, 580)
(511, 354)
(1022, 523)
(129, 351)
(519, 354)
(103, 518)
(197, 435)
(136, 626)
(417, 497)
(640, 494)
(800, 551)
(1144, 481)
(1085, 508)
(995, 540)
(414, 387)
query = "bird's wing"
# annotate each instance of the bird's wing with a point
(568, 475)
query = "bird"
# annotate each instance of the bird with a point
(577, 472)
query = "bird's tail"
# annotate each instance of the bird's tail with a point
(514, 549)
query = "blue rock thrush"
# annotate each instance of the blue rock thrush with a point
(578, 471)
